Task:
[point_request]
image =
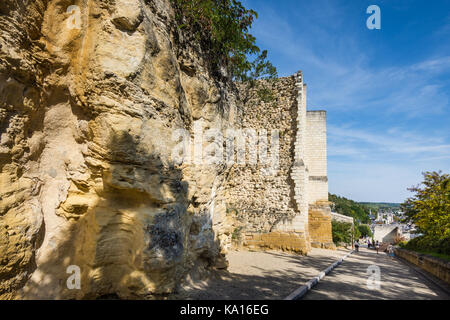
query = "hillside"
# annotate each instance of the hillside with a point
(375, 206)
(350, 208)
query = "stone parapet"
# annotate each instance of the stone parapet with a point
(437, 267)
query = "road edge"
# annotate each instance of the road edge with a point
(304, 289)
(428, 276)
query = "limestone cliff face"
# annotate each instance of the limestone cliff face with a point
(90, 95)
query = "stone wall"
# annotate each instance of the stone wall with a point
(288, 209)
(341, 218)
(437, 267)
(316, 156)
(320, 225)
(91, 93)
(259, 198)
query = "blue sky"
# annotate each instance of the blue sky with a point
(387, 92)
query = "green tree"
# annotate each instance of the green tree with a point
(365, 230)
(356, 232)
(341, 232)
(222, 27)
(429, 208)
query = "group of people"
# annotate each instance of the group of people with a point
(376, 245)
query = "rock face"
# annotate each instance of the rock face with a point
(91, 94)
(99, 101)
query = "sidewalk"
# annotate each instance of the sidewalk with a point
(262, 275)
(397, 282)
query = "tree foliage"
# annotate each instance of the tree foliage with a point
(223, 28)
(383, 206)
(364, 230)
(429, 210)
(341, 232)
(427, 244)
(356, 232)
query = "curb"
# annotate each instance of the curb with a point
(301, 291)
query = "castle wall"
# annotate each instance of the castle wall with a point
(274, 210)
(319, 214)
(255, 197)
(320, 225)
(300, 174)
(316, 155)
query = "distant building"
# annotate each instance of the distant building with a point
(387, 233)
(379, 216)
(390, 218)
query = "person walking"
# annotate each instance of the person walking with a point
(377, 246)
(391, 251)
(368, 244)
(357, 245)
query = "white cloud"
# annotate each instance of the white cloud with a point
(386, 123)
(340, 71)
(401, 142)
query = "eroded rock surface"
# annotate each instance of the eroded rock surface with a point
(91, 93)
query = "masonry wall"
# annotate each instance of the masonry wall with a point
(256, 197)
(341, 218)
(319, 214)
(316, 155)
(437, 267)
(317, 189)
(320, 232)
(273, 210)
(300, 174)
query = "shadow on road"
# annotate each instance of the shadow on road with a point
(397, 281)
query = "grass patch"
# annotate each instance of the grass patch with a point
(442, 256)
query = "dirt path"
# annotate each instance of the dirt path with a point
(397, 281)
(262, 275)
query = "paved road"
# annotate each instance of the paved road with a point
(261, 275)
(397, 281)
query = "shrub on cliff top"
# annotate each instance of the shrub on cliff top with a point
(223, 28)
